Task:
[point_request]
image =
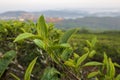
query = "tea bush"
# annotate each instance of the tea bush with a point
(53, 58)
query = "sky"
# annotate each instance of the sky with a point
(38, 5)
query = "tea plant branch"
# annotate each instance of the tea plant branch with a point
(18, 65)
(72, 74)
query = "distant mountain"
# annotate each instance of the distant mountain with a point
(65, 13)
(78, 13)
(93, 23)
(13, 13)
(62, 13)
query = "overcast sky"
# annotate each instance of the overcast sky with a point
(38, 5)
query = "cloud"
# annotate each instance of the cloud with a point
(56, 4)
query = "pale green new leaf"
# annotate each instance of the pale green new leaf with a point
(29, 69)
(6, 60)
(67, 36)
(58, 46)
(112, 68)
(65, 45)
(118, 77)
(17, 78)
(76, 56)
(92, 74)
(93, 42)
(89, 43)
(116, 65)
(86, 49)
(105, 61)
(92, 53)
(42, 27)
(96, 78)
(94, 63)
(107, 77)
(39, 43)
(23, 36)
(69, 63)
(81, 59)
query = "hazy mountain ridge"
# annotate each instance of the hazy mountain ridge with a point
(97, 20)
(93, 23)
(13, 13)
(65, 13)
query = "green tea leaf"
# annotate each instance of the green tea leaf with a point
(92, 64)
(50, 74)
(70, 63)
(66, 54)
(29, 69)
(105, 59)
(92, 74)
(39, 43)
(67, 35)
(106, 64)
(17, 78)
(118, 77)
(93, 42)
(42, 27)
(76, 56)
(112, 69)
(23, 36)
(81, 59)
(89, 43)
(92, 53)
(96, 78)
(6, 60)
(58, 46)
(116, 65)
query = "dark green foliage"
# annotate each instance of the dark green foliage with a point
(27, 72)
(51, 74)
(5, 60)
(108, 42)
